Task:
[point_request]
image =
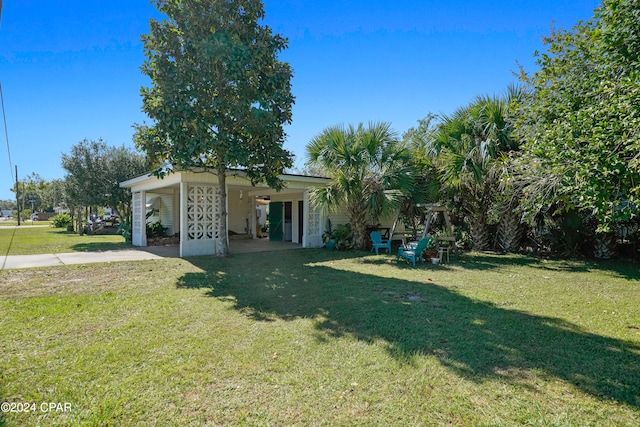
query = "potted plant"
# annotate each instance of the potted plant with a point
(432, 251)
(343, 235)
(328, 237)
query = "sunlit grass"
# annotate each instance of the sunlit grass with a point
(309, 338)
(45, 240)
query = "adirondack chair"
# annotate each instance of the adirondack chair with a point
(414, 254)
(377, 242)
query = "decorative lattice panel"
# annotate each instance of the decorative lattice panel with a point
(313, 223)
(137, 213)
(203, 212)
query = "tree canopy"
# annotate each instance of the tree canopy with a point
(219, 96)
(370, 170)
(580, 123)
(94, 172)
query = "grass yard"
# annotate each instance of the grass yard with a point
(48, 240)
(306, 338)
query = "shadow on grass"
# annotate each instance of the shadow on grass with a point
(475, 339)
(100, 246)
(484, 261)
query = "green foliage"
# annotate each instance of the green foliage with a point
(156, 229)
(468, 149)
(62, 220)
(312, 337)
(328, 232)
(7, 205)
(580, 120)
(31, 194)
(370, 172)
(343, 234)
(94, 172)
(219, 97)
(48, 240)
(125, 230)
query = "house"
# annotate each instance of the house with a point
(188, 204)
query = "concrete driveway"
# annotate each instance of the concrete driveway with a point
(137, 254)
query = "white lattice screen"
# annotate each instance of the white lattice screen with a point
(137, 213)
(313, 225)
(203, 212)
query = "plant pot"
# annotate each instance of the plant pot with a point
(330, 245)
(430, 253)
(435, 260)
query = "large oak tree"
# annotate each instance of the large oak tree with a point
(219, 96)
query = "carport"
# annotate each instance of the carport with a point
(187, 204)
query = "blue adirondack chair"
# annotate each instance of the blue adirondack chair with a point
(378, 243)
(414, 254)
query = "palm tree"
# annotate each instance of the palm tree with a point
(369, 170)
(465, 148)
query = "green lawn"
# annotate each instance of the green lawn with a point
(304, 337)
(45, 240)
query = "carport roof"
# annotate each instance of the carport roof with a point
(235, 178)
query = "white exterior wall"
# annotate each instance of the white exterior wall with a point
(177, 208)
(341, 217)
(240, 210)
(313, 225)
(175, 200)
(138, 225)
(163, 205)
(200, 204)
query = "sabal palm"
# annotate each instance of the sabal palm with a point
(369, 170)
(466, 148)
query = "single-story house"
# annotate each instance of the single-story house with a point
(187, 204)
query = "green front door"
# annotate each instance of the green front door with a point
(276, 221)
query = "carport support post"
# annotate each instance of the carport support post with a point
(138, 219)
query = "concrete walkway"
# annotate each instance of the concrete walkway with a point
(47, 260)
(137, 254)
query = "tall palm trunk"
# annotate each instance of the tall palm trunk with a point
(358, 220)
(479, 231)
(476, 202)
(510, 229)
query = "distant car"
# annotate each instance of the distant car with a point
(34, 216)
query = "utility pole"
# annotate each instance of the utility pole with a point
(17, 195)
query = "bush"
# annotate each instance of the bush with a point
(125, 230)
(62, 220)
(344, 237)
(156, 230)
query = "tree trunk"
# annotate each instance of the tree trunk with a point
(222, 242)
(605, 246)
(79, 228)
(358, 220)
(510, 230)
(479, 232)
(476, 206)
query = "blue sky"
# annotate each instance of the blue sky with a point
(70, 69)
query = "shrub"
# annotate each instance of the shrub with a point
(344, 236)
(62, 220)
(125, 230)
(156, 230)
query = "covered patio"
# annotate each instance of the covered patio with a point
(244, 246)
(187, 205)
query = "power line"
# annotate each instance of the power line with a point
(6, 132)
